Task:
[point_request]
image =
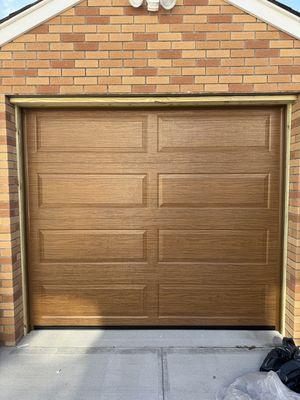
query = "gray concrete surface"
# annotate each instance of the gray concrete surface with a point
(129, 364)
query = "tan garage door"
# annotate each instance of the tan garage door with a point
(154, 217)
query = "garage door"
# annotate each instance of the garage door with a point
(154, 216)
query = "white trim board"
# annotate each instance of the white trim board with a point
(47, 9)
(32, 17)
(272, 14)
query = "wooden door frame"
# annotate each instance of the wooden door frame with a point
(139, 102)
(286, 151)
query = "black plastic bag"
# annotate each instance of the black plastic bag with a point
(285, 361)
(289, 373)
(279, 356)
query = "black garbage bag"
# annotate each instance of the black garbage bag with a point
(289, 374)
(285, 361)
(279, 356)
(279, 378)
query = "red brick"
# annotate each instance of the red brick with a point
(289, 69)
(257, 44)
(169, 54)
(101, 20)
(40, 29)
(219, 18)
(267, 53)
(170, 19)
(193, 36)
(72, 37)
(86, 46)
(181, 80)
(26, 72)
(62, 64)
(145, 36)
(86, 10)
(145, 71)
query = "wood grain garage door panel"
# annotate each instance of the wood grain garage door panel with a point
(222, 190)
(93, 304)
(92, 246)
(154, 216)
(68, 134)
(215, 246)
(99, 190)
(217, 303)
(198, 133)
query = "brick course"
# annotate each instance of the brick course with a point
(293, 267)
(11, 322)
(75, 52)
(102, 47)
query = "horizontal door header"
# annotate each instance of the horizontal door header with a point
(38, 102)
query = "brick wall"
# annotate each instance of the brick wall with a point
(108, 47)
(293, 270)
(11, 323)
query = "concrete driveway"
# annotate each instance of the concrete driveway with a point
(129, 364)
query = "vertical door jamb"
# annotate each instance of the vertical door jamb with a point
(287, 142)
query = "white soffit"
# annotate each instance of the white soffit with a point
(32, 17)
(47, 9)
(272, 14)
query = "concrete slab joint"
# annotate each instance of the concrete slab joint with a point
(162, 364)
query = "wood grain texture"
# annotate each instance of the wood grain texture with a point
(92, 245)
(132, 139)
(154, 216)
(213, 130)
(101, 190)
(214, 246)
(214, 190)
(216, 303)
(134, 102)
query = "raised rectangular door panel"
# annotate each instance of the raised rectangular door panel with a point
(207, 191)
(92, 246)
(154, 216)
(217, 304)
(213, 130)
(98, 133)
(214, 246)
(99, 190)
(92, 303)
